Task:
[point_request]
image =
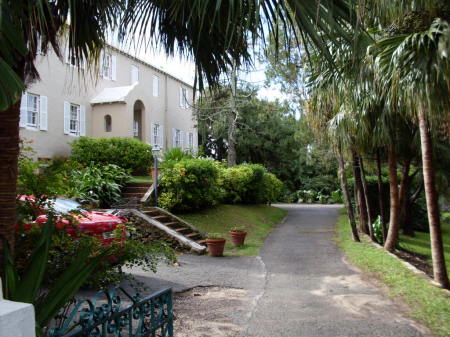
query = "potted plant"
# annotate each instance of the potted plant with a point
(215, 243)
(238, 236)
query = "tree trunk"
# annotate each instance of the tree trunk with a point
(366, 198)
(359, 194)
(381, 196)
(9, 151)
(232, 119)
(437, 249)
(403, 191)
(348, 200)
(394, 224)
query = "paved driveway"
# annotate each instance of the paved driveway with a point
(300, 285)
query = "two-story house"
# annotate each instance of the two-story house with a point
(123, 97)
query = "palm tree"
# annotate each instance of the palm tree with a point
(214, 32)
(415, 69)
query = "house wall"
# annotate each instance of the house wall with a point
(62, 82)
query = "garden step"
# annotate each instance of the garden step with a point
(172, 224)
(139, 184)
(134, 189)
(161, 217)
(193, 235)
(151, 212)
(183, 230)
(201, 242)
(133, 195)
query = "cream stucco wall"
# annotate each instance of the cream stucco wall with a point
(61, 82)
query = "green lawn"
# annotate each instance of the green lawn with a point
(258, 219)
(428, 304)
(140, 179)
(420, 244)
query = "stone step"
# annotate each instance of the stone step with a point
(161, 217)
(193, 235)
(172, 224)
(139, 184)
(151, 212)
(201, 242)
(183, 230)
(137, 196)
(135, 189)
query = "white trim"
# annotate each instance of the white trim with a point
(43, 113)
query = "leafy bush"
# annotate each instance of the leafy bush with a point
(272, 187)
(100, 185)
(378, 230)
(174, 155)
(190, 184)
(312, 196)
(128, 153)
(249, 184)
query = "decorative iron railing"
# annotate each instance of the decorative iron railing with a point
(107, 316)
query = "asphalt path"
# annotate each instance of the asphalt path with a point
(300, 285)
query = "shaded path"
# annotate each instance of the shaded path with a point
(298, 286)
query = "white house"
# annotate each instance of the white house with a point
(123, 97)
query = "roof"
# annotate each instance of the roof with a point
(148, 64)
(113, 95)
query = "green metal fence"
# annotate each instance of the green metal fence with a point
(107, 316)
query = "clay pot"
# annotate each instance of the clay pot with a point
(238, 238)
(215, 246)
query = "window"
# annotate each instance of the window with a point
(134, 74)
(155, 86)
(191, 140)
(32, 110)
(183, 98)
(178, 138)
(108, 123)
(74, 122)
(106, 66)
(135, 129)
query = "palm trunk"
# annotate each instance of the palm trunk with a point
(437, 249)
(403, 192)
(394, 224)
(359, 194)
(366, 198)
(9, 151)
(348, 200)
(381, 196)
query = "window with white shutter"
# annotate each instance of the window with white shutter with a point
(191, 140)
(74, 119)
(155, 86)
(183, 98)
(107, 66)
(33, 111)
(177, 140)
(155, 135)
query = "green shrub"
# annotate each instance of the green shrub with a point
(189, 185)
(128, 153)
(100, 185)
(173, 156)
(272, 187)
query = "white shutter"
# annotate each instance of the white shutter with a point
(161, 136)
(152, 133)
(174, 137)
(67, 54)
(66, 118)
(155, 86)
(182, 138)
(23, 110)
(43, 115)
(113, 67)
(181, 97)
(82, 120)
(102, 60)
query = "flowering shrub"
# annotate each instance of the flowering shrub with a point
(190, 184)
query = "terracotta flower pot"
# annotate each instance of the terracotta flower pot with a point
(238, 238)
(215, 246)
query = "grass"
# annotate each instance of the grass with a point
(140, 179)
(420, 244)
(259, 220)
(428, 304)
